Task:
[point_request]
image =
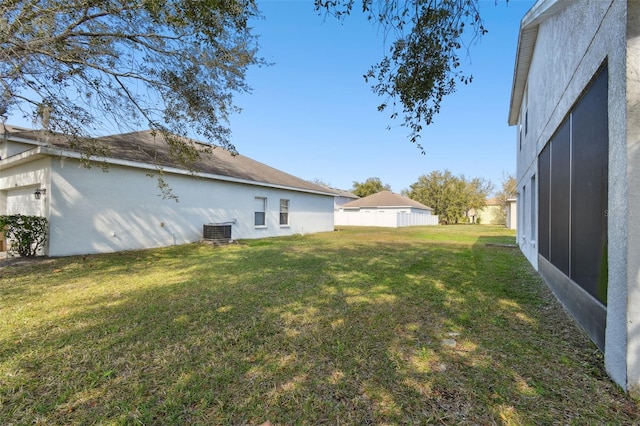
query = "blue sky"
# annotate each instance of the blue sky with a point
(311, 114)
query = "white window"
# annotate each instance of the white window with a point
(532, 191)
(523, 212)
(284, 212)
(260, 211)
(520, 137)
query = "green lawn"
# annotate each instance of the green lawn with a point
(359, 326)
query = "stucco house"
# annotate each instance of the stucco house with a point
(91, 210)
(576, 104)
(385, 209)
(341, 197)
(512, 213)
(491, 214)
(495, 212)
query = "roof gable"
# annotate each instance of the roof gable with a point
(386, 199)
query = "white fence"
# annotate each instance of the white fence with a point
(385, 219)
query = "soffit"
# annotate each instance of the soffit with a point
(540, 12)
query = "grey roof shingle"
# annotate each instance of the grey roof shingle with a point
(149, 148)
(385, 199)
(342, 192)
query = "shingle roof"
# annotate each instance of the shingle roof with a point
(145, 147)
(342, 192)
(386, 199)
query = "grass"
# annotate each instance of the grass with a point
(360, 326)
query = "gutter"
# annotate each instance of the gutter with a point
(40, 151)
(527, 37)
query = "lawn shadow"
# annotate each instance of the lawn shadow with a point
(304, 331)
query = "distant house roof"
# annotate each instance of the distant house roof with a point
(385, 199)
(147, 148)
(343, 193)
(493, 202)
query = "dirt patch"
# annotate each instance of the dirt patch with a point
(21, 261)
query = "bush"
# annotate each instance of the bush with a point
(26, 234)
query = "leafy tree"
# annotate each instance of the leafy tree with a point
(169, 65)
(509, 189)
(477, 191)
(370, 186)
(26, 234)
(423, 63)
(451, 197)
(173, 65)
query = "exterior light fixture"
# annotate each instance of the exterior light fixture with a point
(40, 192)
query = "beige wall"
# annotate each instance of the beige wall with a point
(491, 215)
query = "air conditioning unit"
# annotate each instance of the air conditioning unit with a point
(217, 232)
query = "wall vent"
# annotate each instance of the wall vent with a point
(217, 232)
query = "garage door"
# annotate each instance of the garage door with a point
(22, 201)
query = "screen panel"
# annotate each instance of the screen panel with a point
(560, 197)
(590, 158)
(544, 193)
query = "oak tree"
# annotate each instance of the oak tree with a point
(168, 65)
(425, 40)
(450, 196)
(174, 65)
(370, 186)
(508, 190)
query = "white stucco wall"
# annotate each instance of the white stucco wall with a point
(26, 176)
(512, 215)
(92, 211)
(564, 61)
(339, 201)
(630, 300)
(491, 215)
(9, 148)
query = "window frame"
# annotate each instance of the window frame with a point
(286, 212)
(533, 206)
(257, 212)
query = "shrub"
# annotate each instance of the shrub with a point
(26, 234)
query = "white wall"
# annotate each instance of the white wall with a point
(512, 215)
(93, 211)
(416, 219)
(339, 201)
(629, 299)
(388, 217)
(563, 63)
(9, 148)
(27, 177)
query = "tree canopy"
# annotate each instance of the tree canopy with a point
(508, 190)
(451, 197)
(75, 66)
(371, 186)
(423, 61)
(168, 65)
